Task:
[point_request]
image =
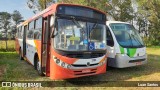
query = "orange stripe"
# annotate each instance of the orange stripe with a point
(104, 58)
(38, 47)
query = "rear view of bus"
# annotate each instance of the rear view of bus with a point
(125, 46)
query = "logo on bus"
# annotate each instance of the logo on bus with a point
(93, 60)
(88, 64)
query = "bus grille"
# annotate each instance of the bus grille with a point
(83, 65)
(80, 72)
(93, 55)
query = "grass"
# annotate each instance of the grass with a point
(12, 69)
(11, 45)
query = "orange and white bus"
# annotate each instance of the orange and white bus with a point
(64, 41)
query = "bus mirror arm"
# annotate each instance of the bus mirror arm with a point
(52, 34)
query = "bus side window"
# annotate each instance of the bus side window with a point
(30, 31)
(20, 32)
(110, 41)
(17, 32)
(38, 29)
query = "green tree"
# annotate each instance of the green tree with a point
(5, 22)
(39, 5)
(0, 35)
(121, 10)
(151, 11)
(17, 18)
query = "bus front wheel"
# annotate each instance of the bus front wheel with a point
(20, 54)
(38, 67)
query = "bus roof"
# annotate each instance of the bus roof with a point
(50, 10)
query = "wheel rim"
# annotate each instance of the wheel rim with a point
(38, 66)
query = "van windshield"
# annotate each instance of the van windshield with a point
(126, 35)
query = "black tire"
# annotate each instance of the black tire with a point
(108, 68)
(20, 55)
(38, 66)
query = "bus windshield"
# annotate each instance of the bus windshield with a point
(79, 36)
(126, 35)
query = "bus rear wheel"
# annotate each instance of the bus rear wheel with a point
(20, 55)
(38, 67)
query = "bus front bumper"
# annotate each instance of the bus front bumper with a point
(57, 72)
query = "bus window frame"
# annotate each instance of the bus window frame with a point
(31, 29)
(38, 29)
(20, 32)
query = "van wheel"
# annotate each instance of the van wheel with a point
(38, 67)
(108, 67)
(20, 55)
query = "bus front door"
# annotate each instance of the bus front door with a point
(45, 46)
(24, 40)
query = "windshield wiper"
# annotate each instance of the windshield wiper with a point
(137, 40)
(94, 26)
(134, 39)
(77, 23)
(130, 37)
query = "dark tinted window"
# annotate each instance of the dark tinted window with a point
(81, 11)
(110, 41)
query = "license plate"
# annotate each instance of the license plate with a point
(138, 63)
(84, 71)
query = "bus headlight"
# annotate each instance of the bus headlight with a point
(101, 63)
(62, 64)
(68, 66)
(57, 61)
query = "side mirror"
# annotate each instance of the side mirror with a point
(53, 26)
(54, 33)
(110, 42)
(52, 20)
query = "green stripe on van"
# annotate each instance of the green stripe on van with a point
(122, 50)
(131, 51)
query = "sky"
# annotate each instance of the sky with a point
(20, 5)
